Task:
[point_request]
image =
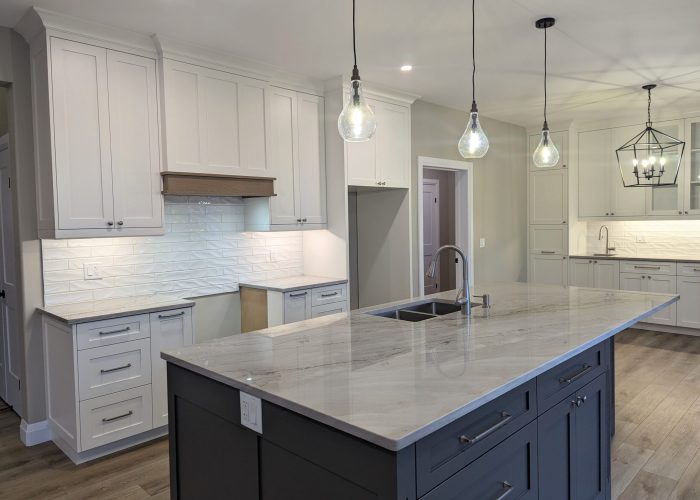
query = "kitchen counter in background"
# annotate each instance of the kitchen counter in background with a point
(695, 257)
(293, 283)
(83, 312)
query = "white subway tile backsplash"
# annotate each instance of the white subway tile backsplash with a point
(204, 251)
(672, 239)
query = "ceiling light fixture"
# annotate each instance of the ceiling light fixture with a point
(473, 143)
(659, 155)
(356, 122)
(546, 155)
(406, 67)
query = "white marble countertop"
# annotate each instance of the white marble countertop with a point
(82, 312)
(669, 257)
(393, 382)
(293, 283)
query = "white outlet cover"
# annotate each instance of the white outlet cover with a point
(251, 412)
(91, 272)
(482, 242)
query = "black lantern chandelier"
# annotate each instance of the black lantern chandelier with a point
(652, 157)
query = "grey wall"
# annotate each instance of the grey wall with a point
(500, 187)
(217, 316)
(4, 113)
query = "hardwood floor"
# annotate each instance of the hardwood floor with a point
(656, 450)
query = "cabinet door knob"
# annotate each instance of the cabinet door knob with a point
(686, 212)
(298, 220)
(563, 222)
(680, 212)
(304, 219)
(110, 223)
(606, 213)
(612, 213)
(120, 223)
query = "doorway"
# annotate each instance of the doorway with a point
(445, 216)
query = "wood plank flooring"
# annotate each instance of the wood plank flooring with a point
(656, 450)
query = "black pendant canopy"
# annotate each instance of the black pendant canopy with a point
(651, 158)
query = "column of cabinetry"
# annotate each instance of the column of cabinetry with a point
(548, 208)
(97, 140)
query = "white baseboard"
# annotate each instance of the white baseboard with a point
(36, 433)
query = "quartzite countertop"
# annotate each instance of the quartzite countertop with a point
(82, 312)
(392, 382)
(293, 283)
(665, 258)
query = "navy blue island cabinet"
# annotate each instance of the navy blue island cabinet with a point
(548, 439)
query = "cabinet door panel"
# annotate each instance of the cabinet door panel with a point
(133, 123)
(361, 158)
(169, 330)
(594, 165)
(580, 272)
(555, 451)
(83, 161)
(632, 282)
(668, 200)
(219, 103)
(394, 145)
(606, 274)
(591, 438)
(182, 117)
(284, 208)
(548, 239)
(688, 312)
(312, 159)
(253, 119)
(548, 269)
(548, 197)
(662, 284)
(297, 306)
(624, 201)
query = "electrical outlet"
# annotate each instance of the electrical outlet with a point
(91, 272)
(641, 238)
(482, 242)
(251, 412)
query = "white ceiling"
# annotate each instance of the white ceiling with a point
(601, 51)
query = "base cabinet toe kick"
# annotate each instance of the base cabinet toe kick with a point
(548, 438)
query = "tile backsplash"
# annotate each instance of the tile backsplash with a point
(665, 238)
(203, 251)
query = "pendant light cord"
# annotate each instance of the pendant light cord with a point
(473, 52)
(354, 49)
(545, 77)
(649, 109)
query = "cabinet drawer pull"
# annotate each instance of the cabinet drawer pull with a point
(301, 294)
(112, 419)
(508, 489)
(165, 316)
(116, 368)
(648, 267)
(112, 332)
(568, 380)
(547, 251)
(696, 269)
(505, 418)
(329, 294)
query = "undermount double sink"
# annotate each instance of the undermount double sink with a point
(420, 311)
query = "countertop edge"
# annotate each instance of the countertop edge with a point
(99, 316)
(295, 288)
(622, 257)
(412, 437)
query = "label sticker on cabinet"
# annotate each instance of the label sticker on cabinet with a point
(251, 412)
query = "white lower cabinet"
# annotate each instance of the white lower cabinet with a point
(106, 381)
(641, 282)
(594, 273)
(548, 269)
(688, 307)
(297, 306)
(313, 302)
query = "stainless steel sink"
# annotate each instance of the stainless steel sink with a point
(421, 310)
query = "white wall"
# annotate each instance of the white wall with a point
(500, 188)
(203, 252)
(667, 238)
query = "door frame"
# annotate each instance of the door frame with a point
(464, 202)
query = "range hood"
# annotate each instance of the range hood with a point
(193, 184)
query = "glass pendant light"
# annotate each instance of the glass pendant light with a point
(473, 143)
(546, 155)
(356, 122)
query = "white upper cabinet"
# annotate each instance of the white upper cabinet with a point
(384, 160)
(594, 165)
(215, 122)
(668, 200)
(690, 176)
(549, 196)
(298, 164)
(624, 201)
(98, 159)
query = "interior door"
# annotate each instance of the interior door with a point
(133, 124)
(431, 231)
(82, 148)
(8, 302)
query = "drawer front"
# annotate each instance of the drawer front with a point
(297, 306)
(548, 240)
(113, 368)
(507, 471)
(648, 267)
(329, 294)
(116, 416)
(113, 331)
(570, 376)
(326, 309)
(689, 269)
(448, 450)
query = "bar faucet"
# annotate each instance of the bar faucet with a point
(463, 298)
(608, 248)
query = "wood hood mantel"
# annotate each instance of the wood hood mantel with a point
(194, 184)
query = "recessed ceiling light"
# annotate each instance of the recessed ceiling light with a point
(406, 67)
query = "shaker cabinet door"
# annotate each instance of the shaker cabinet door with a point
(312, 159)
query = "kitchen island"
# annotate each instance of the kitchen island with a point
(513, 402)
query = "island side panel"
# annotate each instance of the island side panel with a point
(295, 457)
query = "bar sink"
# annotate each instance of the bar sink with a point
(421, 310)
